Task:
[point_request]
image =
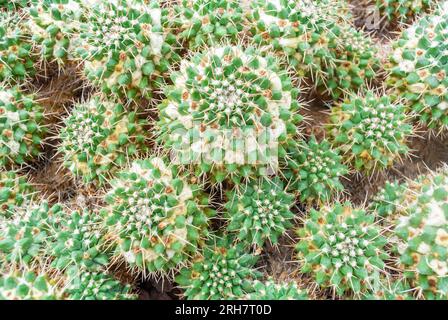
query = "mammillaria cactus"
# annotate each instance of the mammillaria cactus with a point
(16, 57)
(77, 242)
(259, 212)
(155, 218)
(21, 126)
(222, 272)
(387, 288)
(97, 286)
(24, 237)
(271, 290)
(15, 190)
(229, 114)
(418, 68)
(205, 22)
(313, 171)
(28, 285)
(126, 48)
(99, 137)
(342, 247)
(402, 10)
(371, 131)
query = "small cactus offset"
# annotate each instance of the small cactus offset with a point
(28, 285)
(208, 22)
(271, 290)
(260, 211)
(230, 114)
(126, 47)
(418, 69)
(16, 56)
(342, 248)
(313, 171)
(223, 271)
(99, 138)
(155, 218)
(22, 127)
(371, 131)
(15, 191)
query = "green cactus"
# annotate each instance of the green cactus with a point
(403, 11)
(260, 211)
(97, 286)
(16, 56)
(13, 4)
(389, 197)
(15, 191)
(126, 48)
(387, 288)
(313, 170)
(371, 131)
(230, 114)
(22, 127)
(418, 71)
(271, 290)
(208, 22)
(223, 271)
(99, 138)
(28, 285)
(342, 248)
(155, 218)
(77, 242)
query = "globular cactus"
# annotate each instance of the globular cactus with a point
(313, 171)
(97, 286)
(342, 248)
(24, 237)
(28, 285)
(99, 138)
(16, 56)
(222, 271)
(15, 191)
(259, 211)
(155, 218)
(418, 69)
(230, 114)
(77, 243)
(22, 127)
(126, 47)
(208, 22)
(402, 11)
(385, 202)
(271, 290)
(371, 131)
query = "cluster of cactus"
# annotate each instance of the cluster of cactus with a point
(99, 138)
(126, 47)
(402, 11)
(15, 191)
(22, 126)
(229, 113)
(271, 290)
(418, 69)
(371, 131)
(259, 212)
(155, 218)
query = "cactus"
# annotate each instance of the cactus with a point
(22, 127)
(403, 11)
(77, 243)
(13, 4)
(15, 191)
(24, 237)
(259, 212)
(28, 285)
(418, 69)
(270, 290)
(313, 171)
(155, 218)
(223, 271)
(205, 22)
(97, 286)
(371, 131)
(16, 56)
(99, 138)
(229, 113)
(342, 248)
(126, 48)
(387, 288)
